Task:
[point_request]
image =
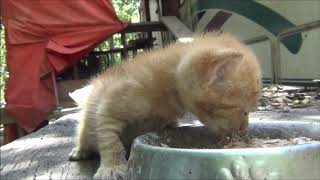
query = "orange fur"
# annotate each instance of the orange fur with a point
(215, 77)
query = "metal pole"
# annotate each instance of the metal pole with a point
(300, 28)
(274, 59)
(55, 88)
(277, 60)
(275, 46)
(257, 39)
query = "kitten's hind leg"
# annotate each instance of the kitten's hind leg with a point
(82, 149)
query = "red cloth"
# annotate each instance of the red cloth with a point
(48, 36)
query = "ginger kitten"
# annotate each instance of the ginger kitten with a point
(215, 77)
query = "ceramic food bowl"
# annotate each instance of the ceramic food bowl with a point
(150, 160)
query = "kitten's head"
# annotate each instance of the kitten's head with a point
(220, 85)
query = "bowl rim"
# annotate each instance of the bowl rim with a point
(138, 142)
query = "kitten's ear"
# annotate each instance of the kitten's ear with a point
(224, 65)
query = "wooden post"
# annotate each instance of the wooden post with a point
(170, 7)
(124, 52)
(75, 72)
(148, 18)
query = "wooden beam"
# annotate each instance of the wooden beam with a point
(205, 20)
(212, 20)
(178, 29)
(115, 50)
(145, 27)
(218, 20)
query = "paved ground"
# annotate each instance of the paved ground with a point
(283, 103)
(44, 154)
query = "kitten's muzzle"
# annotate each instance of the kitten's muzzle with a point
(231, 128)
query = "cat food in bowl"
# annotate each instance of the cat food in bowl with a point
(270, 150)
(178, 138)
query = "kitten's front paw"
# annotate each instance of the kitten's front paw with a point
(78, 154)
(111, 173)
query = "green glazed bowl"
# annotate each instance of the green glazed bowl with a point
(148, 160)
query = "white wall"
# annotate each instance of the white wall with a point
(305, 64)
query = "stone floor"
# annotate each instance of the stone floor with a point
(274, 105)
(44, 154)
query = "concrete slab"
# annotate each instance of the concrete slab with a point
(44, 154)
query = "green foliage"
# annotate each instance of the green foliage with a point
(3, 65)
(127, 10)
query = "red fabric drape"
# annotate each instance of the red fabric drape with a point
(48, 36)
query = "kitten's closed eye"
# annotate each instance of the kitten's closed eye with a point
(245, 113)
